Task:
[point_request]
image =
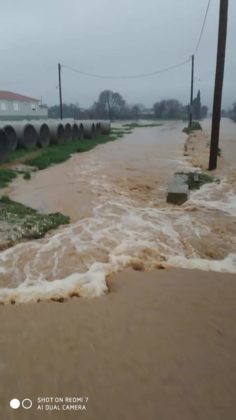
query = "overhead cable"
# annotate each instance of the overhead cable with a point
(134, 76)
(143, 75)
(202, 29)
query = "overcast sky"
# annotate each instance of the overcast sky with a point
(112, 37)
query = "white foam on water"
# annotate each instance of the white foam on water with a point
(227, 265)
(76, 259)
(90, 284)
(119, 230)
(207, 197)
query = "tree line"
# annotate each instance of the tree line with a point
(230, 113)
(172, 108)
(111, 105)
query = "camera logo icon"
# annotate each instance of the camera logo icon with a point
(26, 403)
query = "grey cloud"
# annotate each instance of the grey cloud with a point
(112, 37)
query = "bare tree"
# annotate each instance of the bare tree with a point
(111, 102)
(170, 108)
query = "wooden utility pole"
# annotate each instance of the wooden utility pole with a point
(219, 77)
(60, 95)
(191, 94)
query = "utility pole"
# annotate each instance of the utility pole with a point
(60, 95)
(219, 77)
(191, 94)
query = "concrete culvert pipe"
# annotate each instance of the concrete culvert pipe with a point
(26, 135)
(57, 133)
(75, 132)
(94, 132)
(4, 148)
(68, 132)
(11, 137)
(89, 130)
(43, 134)
(81, 132)
(105, 127)
(98, 129)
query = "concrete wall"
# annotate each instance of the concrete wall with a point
(19, 110)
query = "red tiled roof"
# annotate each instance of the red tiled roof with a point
(11, 96)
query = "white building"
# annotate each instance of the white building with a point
(19, 107)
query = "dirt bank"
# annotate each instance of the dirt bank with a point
(197, 146)
(161, 345)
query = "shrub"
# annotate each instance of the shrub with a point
(194, 126)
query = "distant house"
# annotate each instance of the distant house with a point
(19, 107)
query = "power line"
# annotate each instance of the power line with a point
(135, 76)
(203, 26)
(144, 75)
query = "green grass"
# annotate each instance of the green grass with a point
(196, 180)
(195, 126)
(20, 154)
(51, 155)
(202, 180)
(27, 175)
(118, 133)
(25, 222)
(6, 176)
(54, 154)
(60, 153)
(137, 125)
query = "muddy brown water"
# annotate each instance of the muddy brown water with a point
(116, 198)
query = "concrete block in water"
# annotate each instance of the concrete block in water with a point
(178, 189)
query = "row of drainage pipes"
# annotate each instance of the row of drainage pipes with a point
(27, 134)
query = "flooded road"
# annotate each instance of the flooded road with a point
(116, 198)
(227, 143)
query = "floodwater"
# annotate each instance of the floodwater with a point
(116, 198)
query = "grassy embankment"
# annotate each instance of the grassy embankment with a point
(7, 175)
(195, 126)
(196, 180)
(137, 125)
(54, 154)
(19, 222)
